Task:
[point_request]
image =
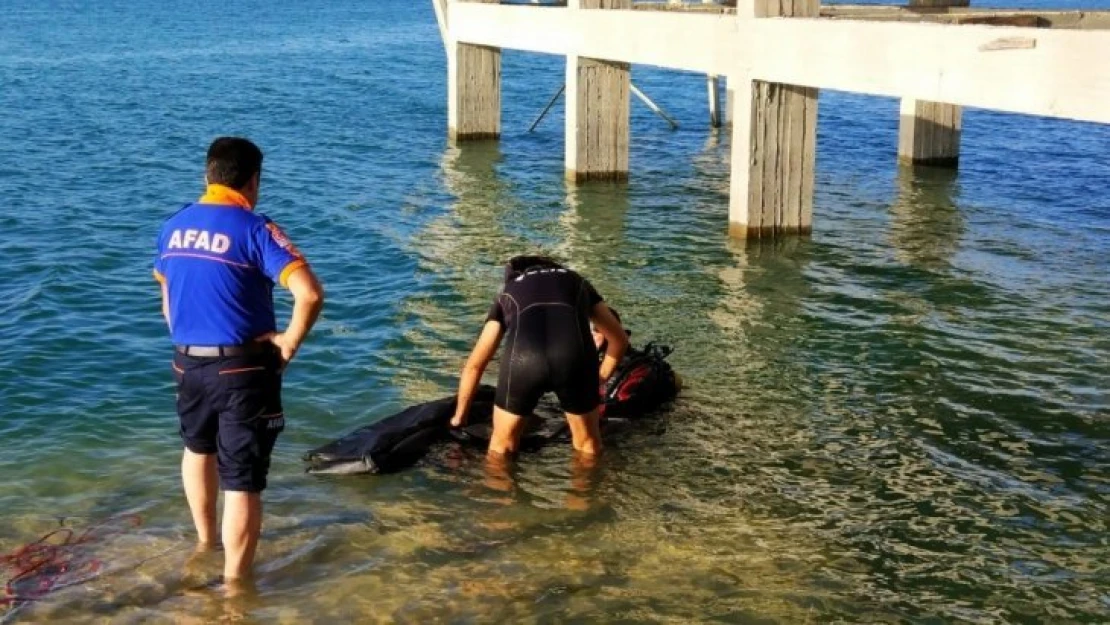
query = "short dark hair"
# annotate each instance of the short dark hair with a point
(518, 265)
(232, 162)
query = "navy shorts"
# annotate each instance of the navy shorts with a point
(231, 406)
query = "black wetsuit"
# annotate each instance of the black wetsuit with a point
(545, 315)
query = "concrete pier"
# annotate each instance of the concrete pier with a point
(939, 3)
(597, 111)
(774, 148)
(1024, 62)
(730, 97)
(929, 132)
(473, 90)
(713, 90)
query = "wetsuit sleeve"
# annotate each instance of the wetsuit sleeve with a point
(593, 298)
(274, 253)
(496, 313)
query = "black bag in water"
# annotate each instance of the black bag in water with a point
(397, 441)
(642, 384)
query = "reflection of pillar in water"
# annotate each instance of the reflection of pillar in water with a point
(762, 287)
(926, 225)
(473, 229)
(764, 333)
(712, 163)
(758, 318)
(737, 308)
(592, 231)
(745, 395)
(925, 231)
(458, 257)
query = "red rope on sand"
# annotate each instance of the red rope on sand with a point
(43, 562)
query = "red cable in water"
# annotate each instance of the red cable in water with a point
(49, 561)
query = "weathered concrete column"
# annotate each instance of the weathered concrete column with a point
(597, 111)
(774, 135)
(730, 95)
(473, 90)
(713, 88)
(929, 132)
(925, 4)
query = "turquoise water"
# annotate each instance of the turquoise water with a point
(902, 418)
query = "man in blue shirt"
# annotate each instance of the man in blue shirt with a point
(217, 262)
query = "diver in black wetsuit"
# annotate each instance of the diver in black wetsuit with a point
(545, 310)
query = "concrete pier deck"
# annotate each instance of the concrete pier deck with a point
(777, 55)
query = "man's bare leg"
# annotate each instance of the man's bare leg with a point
(583, 474)
(241, 529)
(198, 475)
(507, 429)
(585, 432)
(499, 473)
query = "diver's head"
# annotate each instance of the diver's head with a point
(519, 265)
(599, 338)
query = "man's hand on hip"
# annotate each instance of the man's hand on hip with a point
(286, 347)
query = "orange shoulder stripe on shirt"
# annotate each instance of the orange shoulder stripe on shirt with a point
(159, 277)
(283, 279)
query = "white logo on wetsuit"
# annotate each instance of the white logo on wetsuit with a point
(539, 271)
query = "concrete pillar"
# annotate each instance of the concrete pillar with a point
(730, 95)
(926, 4)
(473, 90)
(929, 132)
(597, 111)
(774, 134)
(713, 86)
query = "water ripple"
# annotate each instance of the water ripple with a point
(902, 418)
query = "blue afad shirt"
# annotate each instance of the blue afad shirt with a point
(219, 264)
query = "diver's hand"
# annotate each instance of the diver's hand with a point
(458, 420)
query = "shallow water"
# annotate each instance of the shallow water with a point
(901, 418)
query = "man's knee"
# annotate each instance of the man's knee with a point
(245, 473)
